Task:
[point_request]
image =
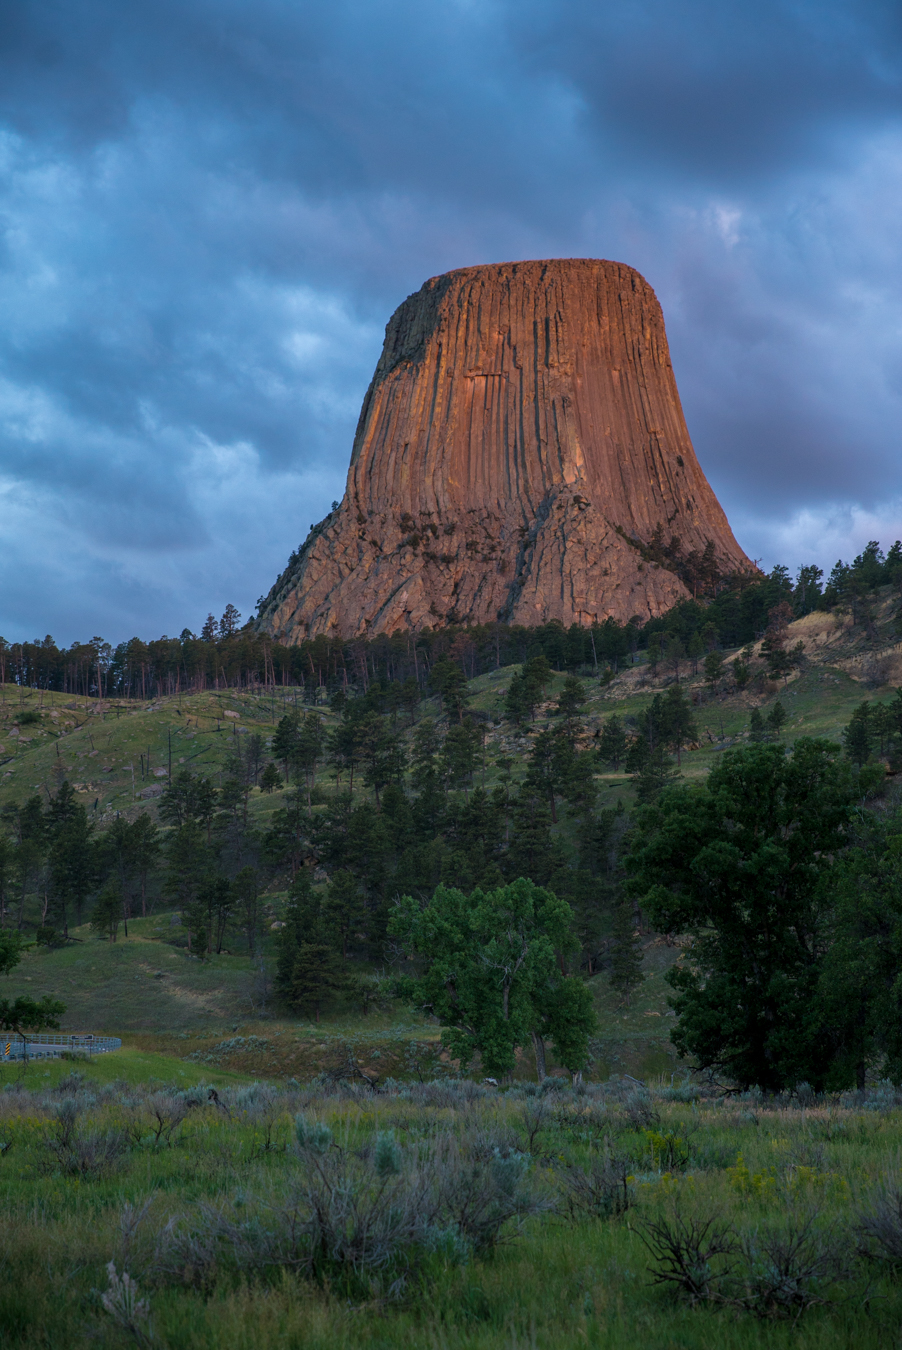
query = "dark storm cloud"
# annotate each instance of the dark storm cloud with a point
(208, 211)
(725, 92)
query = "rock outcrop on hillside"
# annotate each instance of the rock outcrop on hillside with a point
(521, 456)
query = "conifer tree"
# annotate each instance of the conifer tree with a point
(450, 683)
(858, 736)
(612, 742)
(676, 724)
(107, 913)
(883, 726)
(757, 729)
(345, 907)
(714, 664)
(294, 929)
(245, 899)
(570, 704)
(653, 770)
(742, 672)
(316, 977)
(675, 652)
(776, 719)
(459, 754)
(626, 953)
(284, 740)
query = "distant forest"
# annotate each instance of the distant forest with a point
(729, 612)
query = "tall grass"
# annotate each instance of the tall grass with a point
(447, 1214)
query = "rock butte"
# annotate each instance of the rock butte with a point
(521, 436)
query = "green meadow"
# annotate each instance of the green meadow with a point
(441, 1214)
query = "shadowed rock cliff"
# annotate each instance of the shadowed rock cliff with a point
(520, 444)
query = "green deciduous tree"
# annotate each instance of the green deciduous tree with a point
(859, 994)
(22, 1015)
(491, 971)
(11, 943)
(739, 865)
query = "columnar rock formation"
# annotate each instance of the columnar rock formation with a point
(519, 446)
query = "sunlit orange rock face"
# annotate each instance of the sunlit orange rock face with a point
(521, 436)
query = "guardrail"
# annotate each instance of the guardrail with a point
(42, 1046)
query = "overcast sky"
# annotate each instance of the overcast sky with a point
(209, 209)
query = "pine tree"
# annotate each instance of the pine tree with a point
(450, 683)
(612, 742)
(714, 664)
(285, 739)
(293, 932)
(676, 724)
(316, 977)
(517, 708)
(308, 748)
(655, 773)
(626, 953)
(675, 653)
(776, 719)
(345, 907)
(857, 737)
(526, 689)
(228, 624)
(534, 852)
(459, 754)
(757, 729)
(245, 898)
(883, 725)
(742, 672)
(107, 912)
(571, 702)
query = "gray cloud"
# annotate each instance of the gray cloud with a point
(208, 210)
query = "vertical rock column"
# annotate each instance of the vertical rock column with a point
(522, 438)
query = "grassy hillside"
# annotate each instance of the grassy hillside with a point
(118, 755)
(98, 745)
